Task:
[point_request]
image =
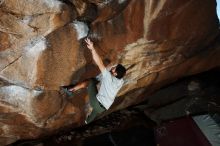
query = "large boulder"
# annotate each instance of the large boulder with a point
(42, 48)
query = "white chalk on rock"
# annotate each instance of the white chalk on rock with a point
(81, 28)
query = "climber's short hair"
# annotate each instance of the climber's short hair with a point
(120, 70)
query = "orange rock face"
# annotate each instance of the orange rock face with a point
(42, 48)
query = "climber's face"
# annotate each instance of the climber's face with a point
(113, 71)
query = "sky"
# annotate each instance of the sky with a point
(218, 8)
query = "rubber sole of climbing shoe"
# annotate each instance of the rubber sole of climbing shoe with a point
(69, 93)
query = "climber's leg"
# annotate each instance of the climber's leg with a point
(97, 109)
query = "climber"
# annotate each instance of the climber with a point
(111, 80)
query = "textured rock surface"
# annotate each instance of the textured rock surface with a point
(41, 49)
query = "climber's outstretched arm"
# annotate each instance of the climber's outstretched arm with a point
(95, 55)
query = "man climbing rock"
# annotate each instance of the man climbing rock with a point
(110, 83)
